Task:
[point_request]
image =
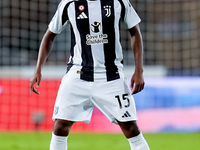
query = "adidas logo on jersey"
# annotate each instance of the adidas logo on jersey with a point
(126, 114)
(82, 16)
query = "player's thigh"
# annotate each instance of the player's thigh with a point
(73, 99)
(115, 100)
(72, 88)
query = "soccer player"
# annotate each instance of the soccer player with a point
(95, 71)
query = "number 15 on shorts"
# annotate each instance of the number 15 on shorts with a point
(121, 99)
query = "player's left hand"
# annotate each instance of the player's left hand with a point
(137, 83)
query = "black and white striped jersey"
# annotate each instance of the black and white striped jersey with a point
(95, 39)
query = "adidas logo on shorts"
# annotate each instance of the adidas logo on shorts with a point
(126, 114)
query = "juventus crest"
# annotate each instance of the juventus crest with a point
(107, 8)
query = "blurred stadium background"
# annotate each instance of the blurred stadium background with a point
(170, 101)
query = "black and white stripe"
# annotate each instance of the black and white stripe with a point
(102, 56)
(109, 48)
(83, 27)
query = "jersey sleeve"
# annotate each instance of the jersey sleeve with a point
(60, 18)
(131, 18)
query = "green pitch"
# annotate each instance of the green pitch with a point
(77, 141)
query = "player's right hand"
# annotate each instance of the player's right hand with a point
(35, 79)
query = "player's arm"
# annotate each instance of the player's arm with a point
(44, 50)
(137, 80)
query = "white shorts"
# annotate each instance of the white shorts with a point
(76, 99)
